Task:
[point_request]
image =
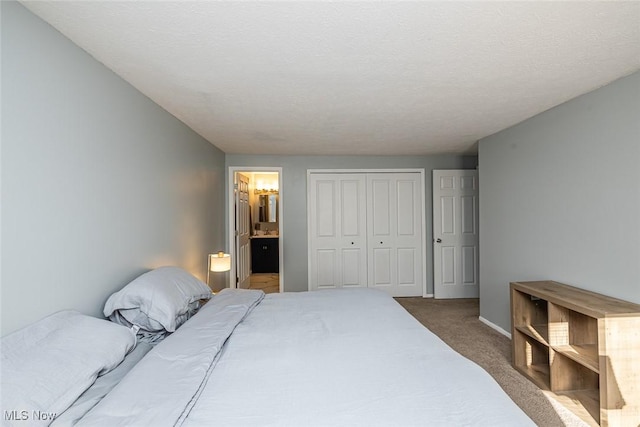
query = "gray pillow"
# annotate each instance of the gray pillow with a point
(48, 364)
(160, 300)
(103, 385)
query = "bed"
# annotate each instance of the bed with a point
(348, 357)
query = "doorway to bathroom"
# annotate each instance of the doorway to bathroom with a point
(255, 228)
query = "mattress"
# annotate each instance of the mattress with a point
(348, 357)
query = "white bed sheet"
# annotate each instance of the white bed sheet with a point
(346, 358)
(332, 358)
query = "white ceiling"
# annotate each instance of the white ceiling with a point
(383, 78)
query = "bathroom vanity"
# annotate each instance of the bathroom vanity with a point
(265, 254)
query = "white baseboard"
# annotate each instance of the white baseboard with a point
(427, 296)
(494, 326)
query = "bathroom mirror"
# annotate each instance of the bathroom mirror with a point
(268, 208)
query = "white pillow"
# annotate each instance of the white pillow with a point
(159, 300)
(47, 365)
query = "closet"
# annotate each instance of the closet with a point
(366, 229)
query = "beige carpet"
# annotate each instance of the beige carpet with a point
(456, 323)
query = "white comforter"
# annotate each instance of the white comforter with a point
(327, 358)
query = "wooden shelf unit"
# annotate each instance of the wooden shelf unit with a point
(582, 347)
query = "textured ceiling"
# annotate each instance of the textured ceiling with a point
(354, 77)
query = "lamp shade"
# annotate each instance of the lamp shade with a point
(219, 262)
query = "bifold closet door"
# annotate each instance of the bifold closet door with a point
(395, 234)
(337, 231)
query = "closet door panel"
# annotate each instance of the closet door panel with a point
(395, 224)
(382, 268)
(326, 277)
(406, 220)
(380, 207)
(338, 225)
(352, 260)
(350, 211)
(406, 262)
(325, 205)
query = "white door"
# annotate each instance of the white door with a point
(243, 228)
(395, 234)
(455, 233)
(337, 231)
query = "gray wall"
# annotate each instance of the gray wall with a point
(294, 177)
(98, 183)
(560, 199)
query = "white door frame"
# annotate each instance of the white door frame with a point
(231, 215)
(421, 171)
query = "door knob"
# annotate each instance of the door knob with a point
(438, 240)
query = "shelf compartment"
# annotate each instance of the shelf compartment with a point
(531, 358)
(584, 403)
(585, 354)
(583, 330)
(558, 325)
(539, 374)
(537, 332)
(577, 383)
(567, 374)
(530, 316)
(574, 335)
